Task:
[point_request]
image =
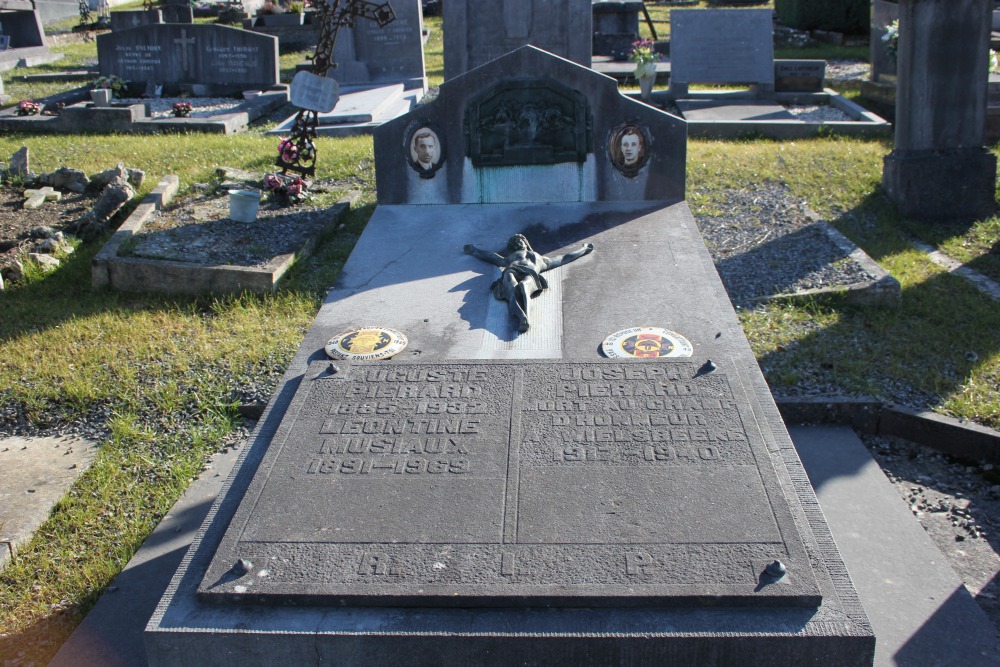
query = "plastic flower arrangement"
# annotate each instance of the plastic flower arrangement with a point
(291, 187)
(644, 56)
(891, 38)
(116, 84)
(182, 109)
(288, 150)
(28, 108)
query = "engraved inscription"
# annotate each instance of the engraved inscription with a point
(478, 481)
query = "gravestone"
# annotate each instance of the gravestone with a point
(616, 26)
(177, 11)
(126, 19)
(727, 46)
(369, 54)
(492, 497)
(21, 29)
(478, 32)
(203, 59)
(883, 13)
(939, 167)
(799, 76)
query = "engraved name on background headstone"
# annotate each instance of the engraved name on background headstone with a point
(190, 54)
(654, 476)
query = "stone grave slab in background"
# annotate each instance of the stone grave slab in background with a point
(436, 444)
(883, 62)
(616, 26)
(135, 18)
(380, 72)
(367, 54)
(27, 45)
(799, 76)
(203, 59)
(177, 11)
(478, 32)
(939, 168)
(731, 46)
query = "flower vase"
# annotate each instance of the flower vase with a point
(101, 97)
(646, 82)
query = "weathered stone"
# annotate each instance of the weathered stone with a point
(46, 262)
(48, 246)
(44, 233)
(19, 163)
(112, 198)
(66, 178)
(101, 180)
(136, 177)
(13, 270)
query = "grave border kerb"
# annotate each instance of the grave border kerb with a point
(133, 274)
(226, 123)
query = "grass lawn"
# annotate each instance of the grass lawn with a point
(166, 373)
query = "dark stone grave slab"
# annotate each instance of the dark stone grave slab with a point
(211, 59)
(721, 46)
(519, 483)
(136, 18)
(728, 110)
(21, 27)
(477, 32)
(491, 497)
(799, 76)
(616, 26)
(368, 54)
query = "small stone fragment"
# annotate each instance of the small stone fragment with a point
(19, 163)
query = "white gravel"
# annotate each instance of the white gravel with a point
(201, 107)
(817, 114)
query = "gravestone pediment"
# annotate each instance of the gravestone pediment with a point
(528, 121)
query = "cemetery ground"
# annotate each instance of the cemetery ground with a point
(160, 381)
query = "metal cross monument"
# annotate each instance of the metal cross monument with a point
(299, 148)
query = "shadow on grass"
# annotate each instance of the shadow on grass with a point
(943, 335)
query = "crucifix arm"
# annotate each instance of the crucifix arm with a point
(553, 262)
(491, 257)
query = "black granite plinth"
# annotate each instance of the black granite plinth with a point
(951, 184)
(519, 483)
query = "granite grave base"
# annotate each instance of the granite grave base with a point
(519, 500)
(963, 183)
(80, 115)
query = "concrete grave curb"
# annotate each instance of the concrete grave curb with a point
(172, 277)
(958, 438)
(133, 118)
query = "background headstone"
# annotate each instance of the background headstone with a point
(940, 168)
(799, 76)
(478, 32)
(368, 54)
(124, 20)
(883, 14)
(19, 163)
(177, 11)
(616, 26)
(205, 59)
(721, 46)
(23, 26)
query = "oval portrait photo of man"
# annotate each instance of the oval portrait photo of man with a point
(629, 148)
(425, 151)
